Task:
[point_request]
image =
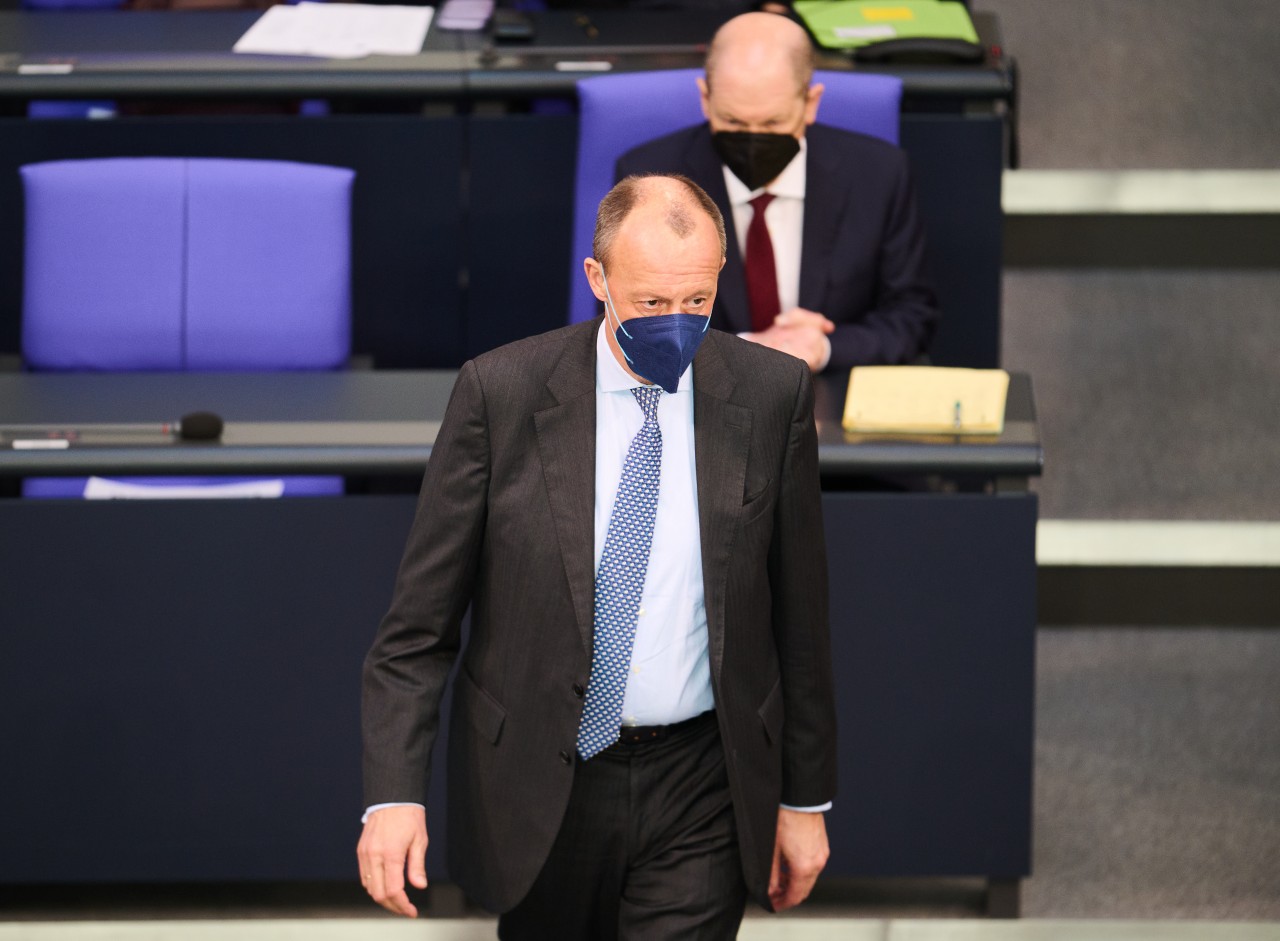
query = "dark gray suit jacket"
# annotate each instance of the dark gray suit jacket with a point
(504, 523)
(863, 262)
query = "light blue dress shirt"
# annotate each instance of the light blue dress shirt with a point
(670, 678)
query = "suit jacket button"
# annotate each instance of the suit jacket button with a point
(578, 690)
(566, 757)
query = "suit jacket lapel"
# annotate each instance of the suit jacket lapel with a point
(566, 433)
(704, 167)
(821, 214)
(722, 439)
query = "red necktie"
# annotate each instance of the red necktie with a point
(762, 274)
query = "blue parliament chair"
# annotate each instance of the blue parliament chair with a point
(619, 112)
(176, 264)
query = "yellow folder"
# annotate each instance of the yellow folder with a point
(925, 400)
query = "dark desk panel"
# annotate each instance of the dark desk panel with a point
(933, 644)
(180, 686)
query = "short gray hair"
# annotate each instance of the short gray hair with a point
(631, 191)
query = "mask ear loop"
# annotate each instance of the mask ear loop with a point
(610, 306)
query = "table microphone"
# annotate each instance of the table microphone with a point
(199, 426)
(194, 426)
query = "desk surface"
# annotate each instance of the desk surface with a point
(383, 422)
(164, 53)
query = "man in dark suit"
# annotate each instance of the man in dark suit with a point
(643, 721)
(833, 271)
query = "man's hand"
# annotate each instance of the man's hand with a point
(799, 854)
(802, 333)
(393, 838)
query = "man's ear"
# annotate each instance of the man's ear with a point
(811, 99)
(704, 95)
(595, 277)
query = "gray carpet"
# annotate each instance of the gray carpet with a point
(1145, 84)
(1158, 774)
(1158, 391)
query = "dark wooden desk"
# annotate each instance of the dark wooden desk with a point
(188, 54)
(179, 679)
(384, 422)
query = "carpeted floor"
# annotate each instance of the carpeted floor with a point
(1157, 774)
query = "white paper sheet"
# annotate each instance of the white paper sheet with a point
(337, 31)
(100, 488)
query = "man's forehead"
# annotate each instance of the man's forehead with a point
(669, 271)
(660, 227)
(759, 65)
(665, 262)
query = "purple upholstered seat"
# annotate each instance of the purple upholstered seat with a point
(186, 264)
(176, 263)
(618, 112)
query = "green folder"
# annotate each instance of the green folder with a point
(846, 24)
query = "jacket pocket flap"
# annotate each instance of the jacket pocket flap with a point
(482, 710)
(771, 712)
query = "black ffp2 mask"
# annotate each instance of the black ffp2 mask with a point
(755, 158)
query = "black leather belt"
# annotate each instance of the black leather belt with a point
(644, 734)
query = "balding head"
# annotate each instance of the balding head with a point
(661, 241)
(673, 201)
(759, 69)
(765, 47)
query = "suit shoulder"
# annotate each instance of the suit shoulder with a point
(533, 358)
(661, 153)
(855, 144)
(761, 366)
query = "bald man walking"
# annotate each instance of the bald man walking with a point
(643, 722)
(826, 253)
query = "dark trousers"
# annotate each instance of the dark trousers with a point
(648, 849)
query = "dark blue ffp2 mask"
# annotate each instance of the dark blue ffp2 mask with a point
(658, 348)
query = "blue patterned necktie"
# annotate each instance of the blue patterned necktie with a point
(620, 580)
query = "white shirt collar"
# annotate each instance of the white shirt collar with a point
(790, 182)
(611, 377)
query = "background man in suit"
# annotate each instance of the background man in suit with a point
(827, 257)
(629, 760)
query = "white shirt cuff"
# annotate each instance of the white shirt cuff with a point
(826, 357)
(370, 809)
(820, 808)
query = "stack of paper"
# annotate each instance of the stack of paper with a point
(926, 400)
(337, 31)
